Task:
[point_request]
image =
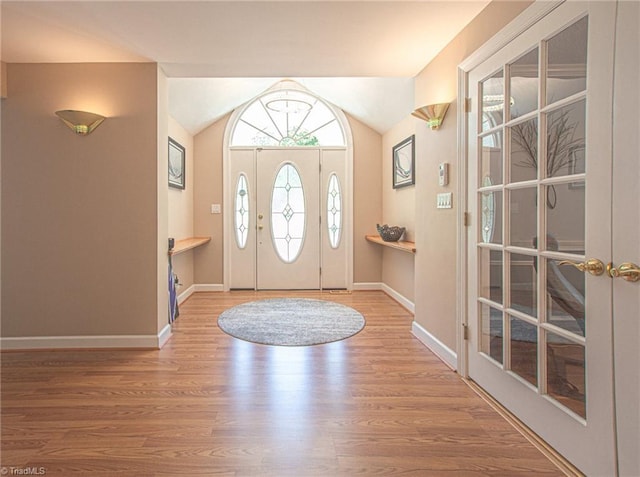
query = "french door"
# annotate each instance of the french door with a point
(539, 179)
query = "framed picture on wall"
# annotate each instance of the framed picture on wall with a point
(176, 165)
(404, 163)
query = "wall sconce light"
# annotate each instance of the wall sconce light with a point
(433, 114)
(80, 122)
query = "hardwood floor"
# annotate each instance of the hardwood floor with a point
(379, 403)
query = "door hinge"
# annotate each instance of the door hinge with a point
(467, 219)
(465, 331)
(467, 105)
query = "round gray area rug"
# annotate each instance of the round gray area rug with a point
(291, 321)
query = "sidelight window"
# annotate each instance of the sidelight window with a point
(242, 211)
(334, 211)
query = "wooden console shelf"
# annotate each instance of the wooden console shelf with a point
(403, 245)
(183, 245)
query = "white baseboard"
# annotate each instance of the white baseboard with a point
(186, 294)
(446, 354)
(208, 287)
(405, 302)
(164, 335)
(87, 342)
(365, 286)
(198, 288)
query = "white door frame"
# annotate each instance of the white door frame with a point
(227, 185)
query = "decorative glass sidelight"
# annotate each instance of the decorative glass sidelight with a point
(242, 211)
(287, 213)
(334, 211)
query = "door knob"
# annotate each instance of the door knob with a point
(260, 227)
(260, 216)
(593, 266)
(628, 271)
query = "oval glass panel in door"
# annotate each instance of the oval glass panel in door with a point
(287, 213)
(242, 211)
(334, 211)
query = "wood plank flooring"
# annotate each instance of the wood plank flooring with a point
(376, 404)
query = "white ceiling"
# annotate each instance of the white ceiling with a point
(360, 55)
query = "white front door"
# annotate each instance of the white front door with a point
(540, 168)
(288, 219)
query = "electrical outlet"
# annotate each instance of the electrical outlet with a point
(216, 209)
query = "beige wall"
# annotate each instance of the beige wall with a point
(79, 214)
(367, 201)
(399, 208)
(3, 79)
(435, 266)
(180, 208)
(208, 263)
(208, 146)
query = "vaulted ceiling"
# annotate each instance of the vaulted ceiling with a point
(360, 55)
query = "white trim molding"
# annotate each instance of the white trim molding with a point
(186, 294)
(446, 354)
(404, 301)
(164, 335)
(206, 287)
(461, 223)
(367, 286)
(379, 286)
(87, 342)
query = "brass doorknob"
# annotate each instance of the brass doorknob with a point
(627, 271)
(260, 227)
(593, 266)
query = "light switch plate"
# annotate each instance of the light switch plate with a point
(216, 209)
(443, 200)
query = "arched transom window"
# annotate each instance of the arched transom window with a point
(286, 117)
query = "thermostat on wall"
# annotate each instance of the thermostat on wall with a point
(443, 174)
